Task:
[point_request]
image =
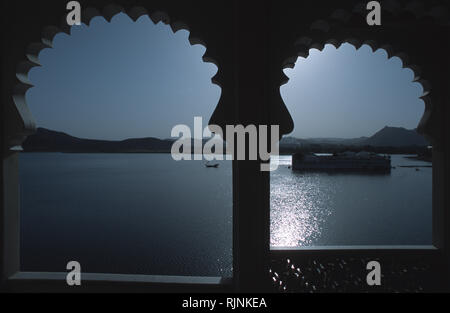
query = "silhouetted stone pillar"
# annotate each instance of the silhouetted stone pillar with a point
(251, 215)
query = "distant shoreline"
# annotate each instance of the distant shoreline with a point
(107, 152)
(424, 158)
(389, 140)
(411, 156)
(92, 152)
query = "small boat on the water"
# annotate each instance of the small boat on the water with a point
(216, 165)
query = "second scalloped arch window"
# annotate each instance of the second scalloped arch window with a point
(345, 101)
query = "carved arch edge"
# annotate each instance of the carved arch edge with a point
(28, 126)
(321, 33)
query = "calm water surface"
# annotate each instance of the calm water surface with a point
(125, 213)
(323, 209)
(148, 214)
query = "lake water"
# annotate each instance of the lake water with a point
(125, 213)
(329, 209)
(148, 214)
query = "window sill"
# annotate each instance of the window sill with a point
(51, 281)
(430, 250)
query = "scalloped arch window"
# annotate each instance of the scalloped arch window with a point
(344, 99)
(126, 212)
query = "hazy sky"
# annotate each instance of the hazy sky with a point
(135, 79)
(350, 93)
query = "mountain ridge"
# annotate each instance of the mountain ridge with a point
(55, 141)
(385, 137)
(46, 140)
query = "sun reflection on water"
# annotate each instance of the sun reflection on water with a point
(329, 209)
(298, 209)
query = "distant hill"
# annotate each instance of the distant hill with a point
(339, 141)
(386, 137)
(46, 140)
(53, 141)
(396, 137)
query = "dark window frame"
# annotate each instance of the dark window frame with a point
(252, 96)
